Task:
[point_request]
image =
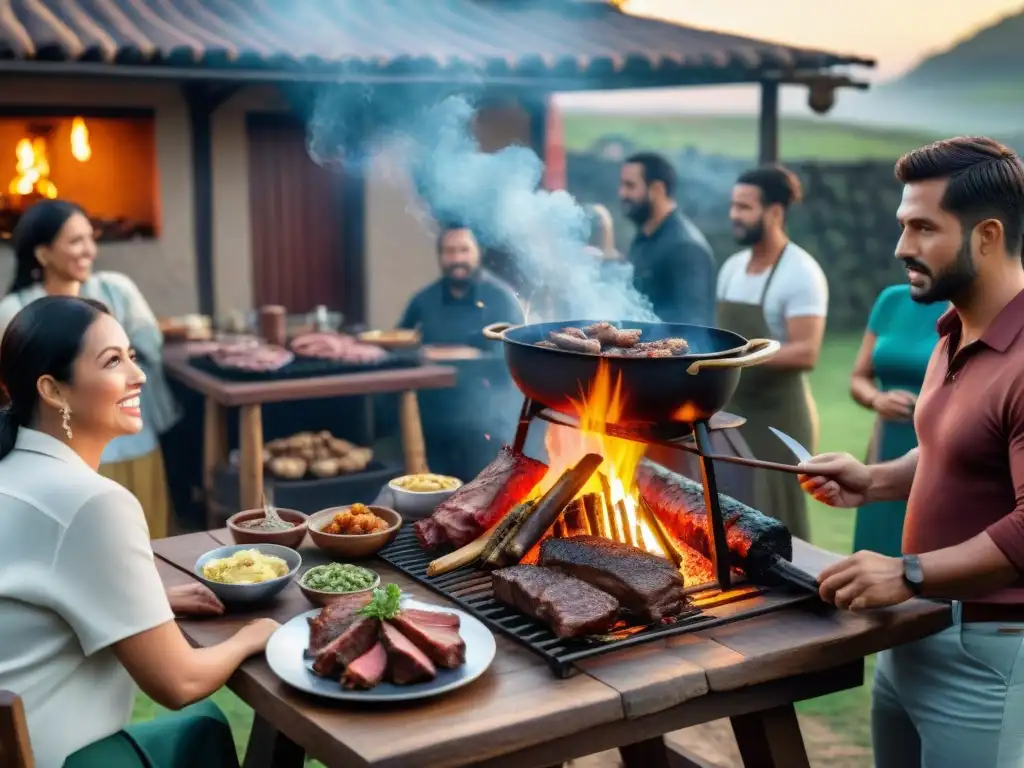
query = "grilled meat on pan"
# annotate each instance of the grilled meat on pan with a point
(646, 585)
(476, 506)
(762, 546)
(605, 339)
(569, 606)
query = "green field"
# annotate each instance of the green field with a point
(844, 427)
(736, 136)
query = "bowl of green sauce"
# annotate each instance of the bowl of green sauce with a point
(323, 584)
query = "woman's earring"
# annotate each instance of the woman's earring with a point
(65, 413)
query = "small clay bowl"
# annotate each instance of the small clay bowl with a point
(321, 598)
(291, 537)
(353, 546)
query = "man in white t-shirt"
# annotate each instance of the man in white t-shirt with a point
(775, 289)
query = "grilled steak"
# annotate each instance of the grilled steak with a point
(442, 645)
(647, 585)
(477, 505)
(346, 648)
(434, 618)
(334, 619)
(755, 540)
(368, 670)
(569, 606)
(406, 663)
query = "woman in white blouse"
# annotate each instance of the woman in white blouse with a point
(54, 252)
(84, 617)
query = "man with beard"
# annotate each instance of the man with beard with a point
(773, 289)
(673, 265)
(955, 698)
(451, 314)
(455, 308)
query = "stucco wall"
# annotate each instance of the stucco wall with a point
(399, 237)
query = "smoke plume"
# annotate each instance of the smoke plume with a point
(497, 195)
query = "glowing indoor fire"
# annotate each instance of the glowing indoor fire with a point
(603, 405)
(80, 147)
(32, 170)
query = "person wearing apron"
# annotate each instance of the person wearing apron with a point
(765, 304)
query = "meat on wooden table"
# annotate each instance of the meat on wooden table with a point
(647, 585)
(569, 606)
(479, 504)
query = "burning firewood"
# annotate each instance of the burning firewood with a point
(496, 554)
(552, 504)
(483, 547)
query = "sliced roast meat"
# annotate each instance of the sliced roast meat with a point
(406, 663)
(647, 585)
(434, 618)
(334, 619)
(368, 670)
(346, 648)
(443, 645)
(569, 606)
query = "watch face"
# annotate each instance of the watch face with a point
(912, 570)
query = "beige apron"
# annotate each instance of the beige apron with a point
(769, 397)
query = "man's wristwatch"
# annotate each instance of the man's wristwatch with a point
(913, 576)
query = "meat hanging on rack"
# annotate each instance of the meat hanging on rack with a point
(479, 504)
(758, 544)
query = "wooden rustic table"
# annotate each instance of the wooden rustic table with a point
(249, 397)
(518, 715)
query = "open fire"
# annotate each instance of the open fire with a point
(32, 161)
(612, 489)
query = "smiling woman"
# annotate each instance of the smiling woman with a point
(78, 572)
(55, 250)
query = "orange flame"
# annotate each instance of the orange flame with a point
(595, 410)
(32, 170)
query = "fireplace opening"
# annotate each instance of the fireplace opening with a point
(106, 164)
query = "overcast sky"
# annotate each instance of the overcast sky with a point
(896, 32)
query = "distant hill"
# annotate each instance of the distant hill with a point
(975, 86)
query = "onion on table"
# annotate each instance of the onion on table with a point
(605, 339)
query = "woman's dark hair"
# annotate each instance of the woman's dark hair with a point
(43, 339)
(984, 180)
(778, 185)
(39, 225)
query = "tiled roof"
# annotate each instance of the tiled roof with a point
(387, 37)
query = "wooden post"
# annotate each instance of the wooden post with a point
(768, 126)
(250, 470)
(770, 739)
(215, 451)
(414, 448)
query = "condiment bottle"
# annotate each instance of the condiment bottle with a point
(274, 324)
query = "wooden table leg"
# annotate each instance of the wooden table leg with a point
(414, 448)
(770, 739)
(269, 748)
(651, 753)
(215, 450)
(250, 469)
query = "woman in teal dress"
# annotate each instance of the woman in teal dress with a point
(887, 379)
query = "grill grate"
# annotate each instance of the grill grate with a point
(470, 589)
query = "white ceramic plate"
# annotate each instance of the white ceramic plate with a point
(286, 655)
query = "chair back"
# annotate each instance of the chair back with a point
(15, 748)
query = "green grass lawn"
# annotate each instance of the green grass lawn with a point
(844, 427)
(736, 136)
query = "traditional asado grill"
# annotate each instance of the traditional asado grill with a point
(599, 495)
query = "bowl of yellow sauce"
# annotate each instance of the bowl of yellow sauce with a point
(248, 573)
(417, 496)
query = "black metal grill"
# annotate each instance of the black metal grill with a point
(470, 589)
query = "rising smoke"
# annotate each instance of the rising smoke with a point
(497, 195)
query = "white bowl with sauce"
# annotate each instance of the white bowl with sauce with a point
(417, 504)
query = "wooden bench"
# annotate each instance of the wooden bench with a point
(15, 748)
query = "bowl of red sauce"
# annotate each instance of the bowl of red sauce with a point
(253, 527)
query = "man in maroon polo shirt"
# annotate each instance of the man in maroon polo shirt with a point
(955, 699)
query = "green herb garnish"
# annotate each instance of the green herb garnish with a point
(384, 604)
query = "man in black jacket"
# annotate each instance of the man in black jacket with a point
(673, 264)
